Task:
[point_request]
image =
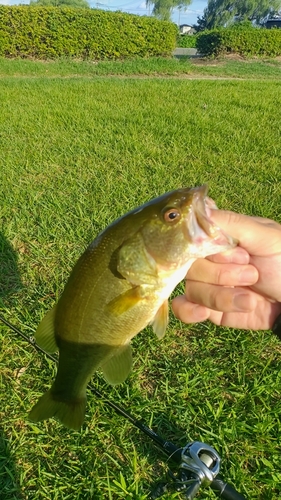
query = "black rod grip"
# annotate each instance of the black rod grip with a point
(224, 490)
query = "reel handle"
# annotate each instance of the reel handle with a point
(192, 490)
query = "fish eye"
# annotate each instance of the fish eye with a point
(172, 215)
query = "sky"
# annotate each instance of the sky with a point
(194, 10)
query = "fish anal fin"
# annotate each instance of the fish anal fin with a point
(45, 333)
(118, 367)
(160, 322)
(125, 301)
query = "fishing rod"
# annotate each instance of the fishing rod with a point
(198, 463)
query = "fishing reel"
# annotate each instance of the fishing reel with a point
(199, 466)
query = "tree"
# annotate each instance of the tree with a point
(61, 3)
(226, 12)
(162, 9)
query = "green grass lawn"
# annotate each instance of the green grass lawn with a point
(78, 149)
(229, 67)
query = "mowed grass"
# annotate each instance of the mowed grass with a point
(75, 154)
(227, 67)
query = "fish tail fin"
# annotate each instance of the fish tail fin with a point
(69, 413)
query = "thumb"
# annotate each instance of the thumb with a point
(254, 234)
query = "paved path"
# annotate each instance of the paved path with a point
(185, 52)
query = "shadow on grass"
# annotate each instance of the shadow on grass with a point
(10, 281)
(9, 489)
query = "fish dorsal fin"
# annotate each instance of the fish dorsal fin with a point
(45, 333)
(159, 324)
(118, 367)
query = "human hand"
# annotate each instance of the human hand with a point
(240, 288)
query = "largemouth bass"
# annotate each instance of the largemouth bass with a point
(119, 285)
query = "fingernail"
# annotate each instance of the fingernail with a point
(248, 276)
(200, 313)
(242, 302)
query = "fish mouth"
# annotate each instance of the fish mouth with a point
(200, 225)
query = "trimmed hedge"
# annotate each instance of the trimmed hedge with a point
(186, 41)
(51, 32)
(246, 42)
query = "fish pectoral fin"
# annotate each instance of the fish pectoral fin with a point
(159, 324)
(118, 367)
(45, 333)
(125, 301)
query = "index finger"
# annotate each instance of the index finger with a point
(237, 255)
